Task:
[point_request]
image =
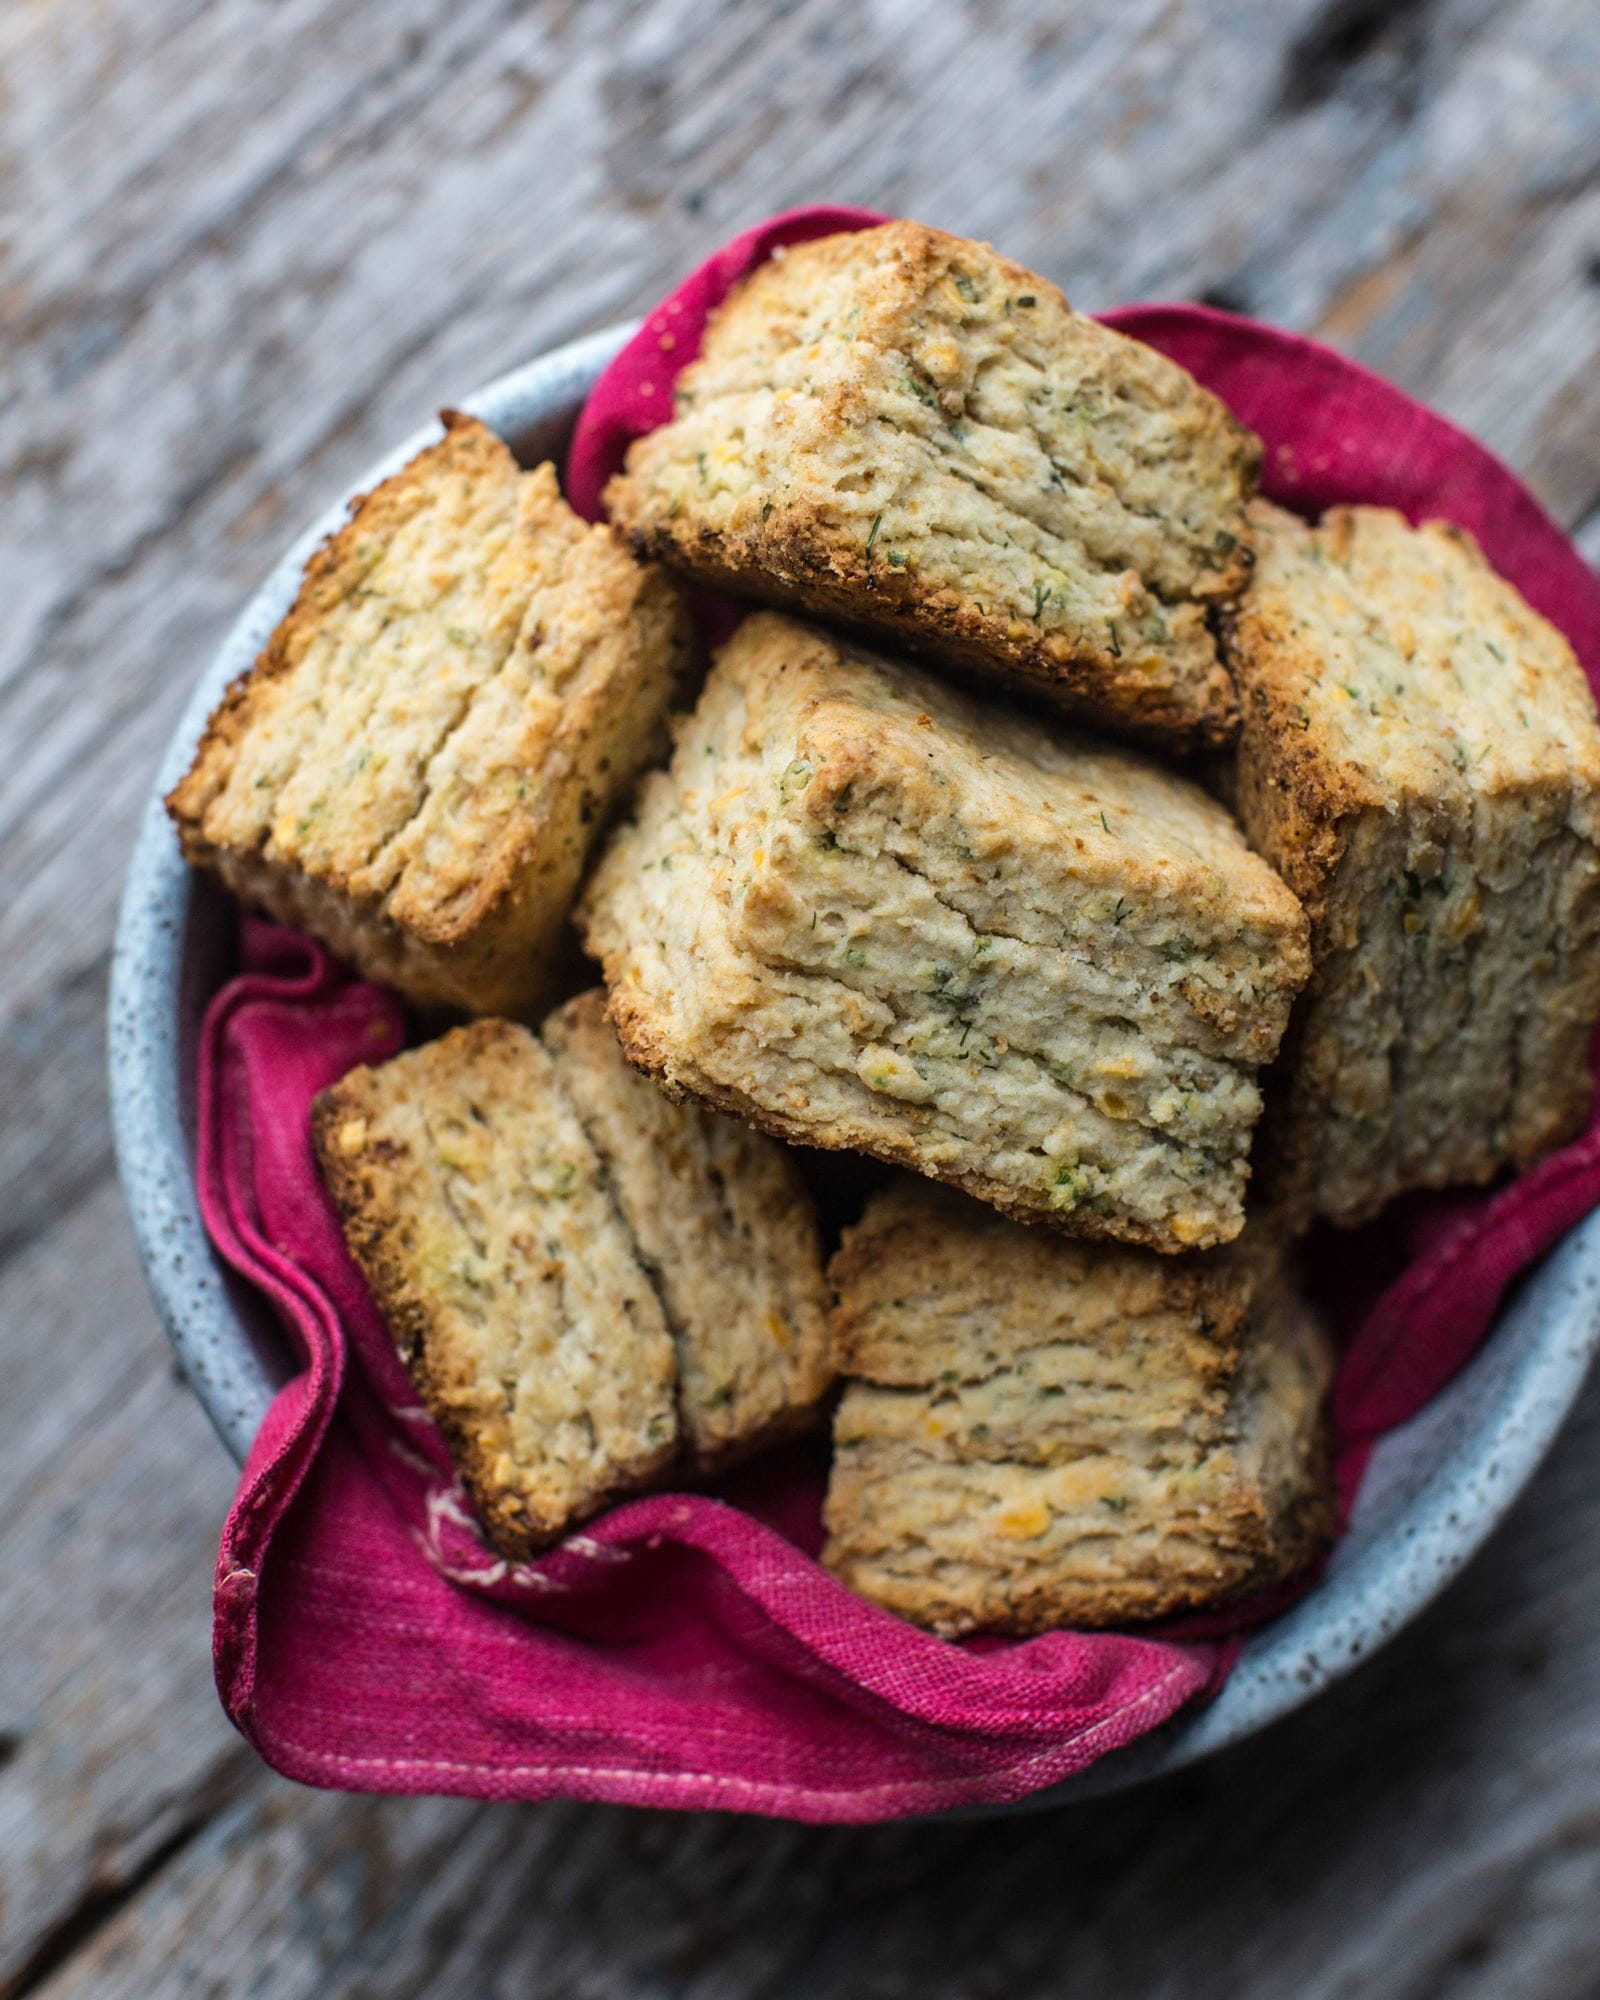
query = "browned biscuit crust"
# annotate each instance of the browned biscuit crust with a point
(1039, 1433)
(725, 1225)
(863, 912)
(483, 1223)
(417, 764)
(591, 1287)
(1420, 760)
(904, 431)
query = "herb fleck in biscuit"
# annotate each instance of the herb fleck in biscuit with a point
(416, 766)
(1043, 1433)
(1420, 760)
(865, 912)
(590, 1285)
(903, 430)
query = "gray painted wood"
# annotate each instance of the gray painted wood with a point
(245, 247)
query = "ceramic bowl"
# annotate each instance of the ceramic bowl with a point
(1434, 1491)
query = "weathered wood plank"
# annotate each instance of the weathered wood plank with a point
(111, 1491)
(242, 250)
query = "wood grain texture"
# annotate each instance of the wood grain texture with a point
(243, 248)
(111, 1491)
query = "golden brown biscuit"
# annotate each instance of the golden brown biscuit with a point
(485, 1227)
(1041, 1433)
(591, 1287)
(865, 912)
(900, 429)
(1420, 760)
(418, 763)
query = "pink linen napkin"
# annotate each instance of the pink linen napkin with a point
(684, 1649)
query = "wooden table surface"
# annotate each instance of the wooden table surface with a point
(246, 246)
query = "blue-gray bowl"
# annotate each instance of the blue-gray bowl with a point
(1433, 1492)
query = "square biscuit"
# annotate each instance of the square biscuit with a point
(417, 764)
(866, 912)
(1420, 760)
(483, 1223)
(725, 1225)
(904, 431)
(1036, 1432)
(592, 1288)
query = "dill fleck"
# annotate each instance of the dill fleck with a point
(943, 994)
(1116, 642)
(872, 533)
(1069, 1188)
(1105, 822)
(1026, 299)
(1041, 597)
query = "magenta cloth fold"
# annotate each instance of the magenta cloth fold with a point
(687, 1650)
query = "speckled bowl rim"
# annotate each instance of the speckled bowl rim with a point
(1435, 1488)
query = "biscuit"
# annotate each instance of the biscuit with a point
(901, 430)
(1420, 760)
(484, 1225)
(591, 1287)
(1040, 1432)
(865, 912)
(725, 1225)
(417, 764)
